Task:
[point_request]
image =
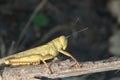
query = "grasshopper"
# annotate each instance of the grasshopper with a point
(41, 53)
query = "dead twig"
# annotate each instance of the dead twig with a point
(60, 69)
(65, 27)
(2, 47)
(38, 8)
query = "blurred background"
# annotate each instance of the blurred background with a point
(25, 24)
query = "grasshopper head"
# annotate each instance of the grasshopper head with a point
(64, 41)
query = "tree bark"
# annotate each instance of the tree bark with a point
(60, 69)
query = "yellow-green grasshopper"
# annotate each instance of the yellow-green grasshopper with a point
(41, 53)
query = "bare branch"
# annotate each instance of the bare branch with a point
(38, 8)
(60, 69)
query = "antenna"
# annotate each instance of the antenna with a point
(78, 32)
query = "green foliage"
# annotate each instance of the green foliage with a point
(40, 20)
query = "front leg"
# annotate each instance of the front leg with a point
(69, 55)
